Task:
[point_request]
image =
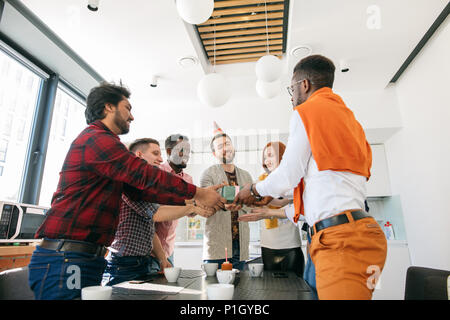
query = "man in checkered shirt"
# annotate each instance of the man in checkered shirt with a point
(135, 239)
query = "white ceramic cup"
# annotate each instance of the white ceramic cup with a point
(96, 293)
(220, 291)
(255, 269)
(225, 276)
(210, 268)
(172, 274)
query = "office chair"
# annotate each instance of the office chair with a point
(426, 284)
(14, 285)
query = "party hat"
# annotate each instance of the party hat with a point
(217, 129)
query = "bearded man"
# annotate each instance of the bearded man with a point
(223, 230)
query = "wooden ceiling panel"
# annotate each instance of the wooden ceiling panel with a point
(278, 35)
(248, 50)
(245, 55)
(238, 3)
(243, 44)
(252, 9)
(243, 18)
(240, 30)
(231, 26)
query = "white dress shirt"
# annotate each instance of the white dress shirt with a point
(326, 193)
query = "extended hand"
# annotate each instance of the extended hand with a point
(236, 207)
(164, 264)
(203, 211)
(261, 213)
(208, 197)
(233, 207)
(264, 201)
(255, 215)
(244, 197)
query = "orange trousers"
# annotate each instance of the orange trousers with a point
(348, 259)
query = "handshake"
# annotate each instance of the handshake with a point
(229, 199)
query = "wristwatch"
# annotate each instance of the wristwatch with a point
(253, 193)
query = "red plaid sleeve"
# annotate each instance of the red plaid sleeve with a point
(145, 182)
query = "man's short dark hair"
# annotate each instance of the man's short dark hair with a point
(319, 70)
(99, 96)
(172, 140)
(141, 144)
(219, 135)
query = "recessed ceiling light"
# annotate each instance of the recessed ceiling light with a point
(93, 5)
(187, 62)
(301, 51)
(154, 82)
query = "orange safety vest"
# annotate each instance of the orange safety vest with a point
(337, 139)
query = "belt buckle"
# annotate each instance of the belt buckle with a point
(60, 246)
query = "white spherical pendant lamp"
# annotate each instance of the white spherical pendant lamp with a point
(214, 90)
(268, 90)
(268, 68)
(195, 11)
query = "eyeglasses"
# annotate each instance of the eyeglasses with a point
(291, 91)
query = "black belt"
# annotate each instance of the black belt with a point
(74, 246)
(337, 220)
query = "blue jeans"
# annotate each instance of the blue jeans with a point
(309, 274)
(233, 260)
(120, 269)
(58, 275)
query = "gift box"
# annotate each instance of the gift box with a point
(229, 192)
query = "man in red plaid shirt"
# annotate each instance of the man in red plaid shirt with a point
(84, 212)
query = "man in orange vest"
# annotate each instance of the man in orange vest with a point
(327, 162)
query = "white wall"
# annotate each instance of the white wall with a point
(244, 114)
(419, 154)
(375, 108)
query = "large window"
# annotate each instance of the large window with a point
(19, 89)
(67, 123)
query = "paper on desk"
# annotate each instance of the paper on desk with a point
(153, 288)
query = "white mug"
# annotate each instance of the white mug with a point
(220, 291)
(210, 268)
(256, 269)
(172, 274)
(225, 276)
(96, 293)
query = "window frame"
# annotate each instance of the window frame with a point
(31, 180)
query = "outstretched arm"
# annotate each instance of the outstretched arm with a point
(168, 213)
(262, 213)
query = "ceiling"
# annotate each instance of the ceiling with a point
(244, 30)
(135, 39)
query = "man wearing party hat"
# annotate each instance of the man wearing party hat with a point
(223, 230)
